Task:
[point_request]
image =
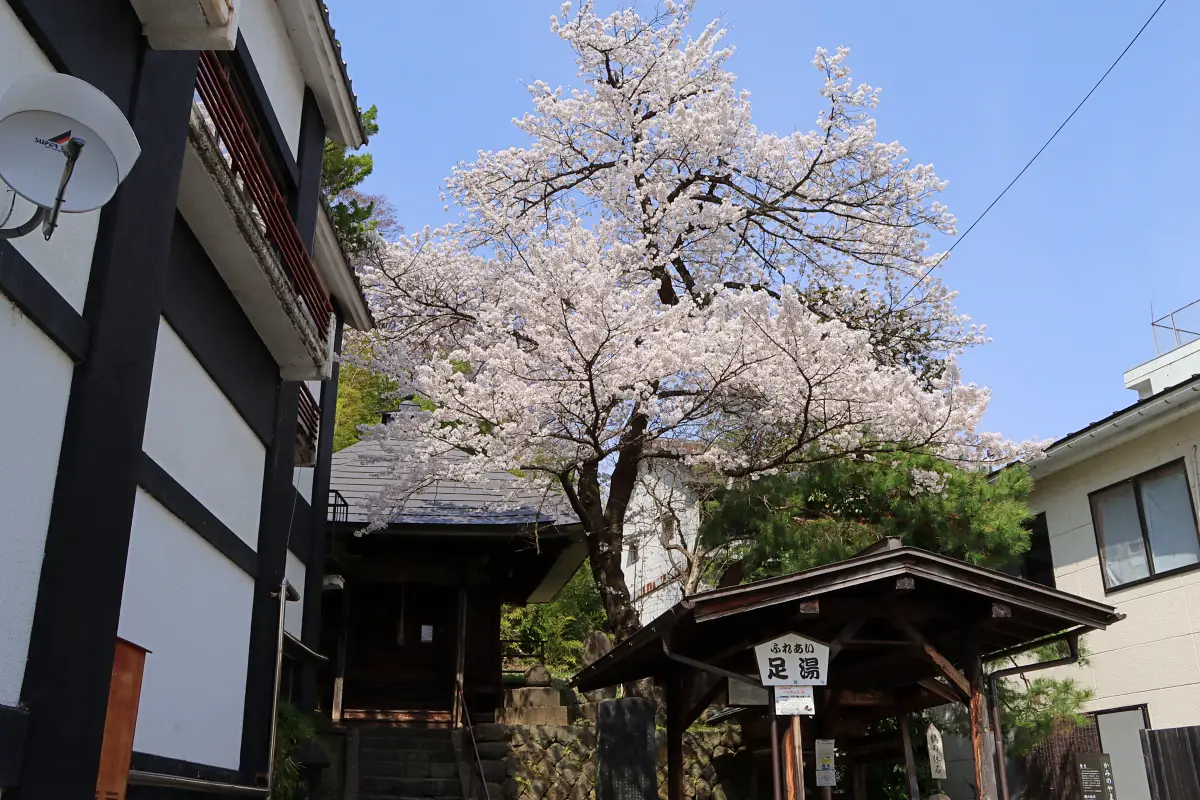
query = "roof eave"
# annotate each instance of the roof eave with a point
(1117, 428)
(340, 278)
(324, 69)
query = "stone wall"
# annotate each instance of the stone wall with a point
(559, 763)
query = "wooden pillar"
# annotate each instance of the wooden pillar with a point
(459, 709)
(793, 755)
(910, 763)
(675, 726)
(859, 782)
(775, 791)
(983, 745)
(339, 674)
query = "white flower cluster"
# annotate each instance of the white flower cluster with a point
(652, 269)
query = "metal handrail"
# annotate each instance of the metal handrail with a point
(465, 722)
(220, 100)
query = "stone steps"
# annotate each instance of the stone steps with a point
(407, 763)
(409, 787)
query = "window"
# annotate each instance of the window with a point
(631, 554)
(670, 527)
(1036, 564)
(1146, 526)
(1120, 736)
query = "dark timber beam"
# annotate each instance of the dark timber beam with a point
(78, 609)
(279, 501)
(952, 673)
(676, 724)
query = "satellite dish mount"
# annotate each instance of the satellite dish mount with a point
(64, 146)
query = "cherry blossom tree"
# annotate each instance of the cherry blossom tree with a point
(650, 269)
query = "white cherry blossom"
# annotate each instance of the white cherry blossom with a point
(652, 277)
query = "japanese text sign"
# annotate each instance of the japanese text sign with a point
(823, 749)
(937, 754)
(792, 660)
(1096, 777)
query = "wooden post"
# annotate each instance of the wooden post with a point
(776, 793)
(859, 777)
(983, 745)
(910, 763)
(794, 766)
(796, 742)
(458, 707)
(339, 674)
(675, 726)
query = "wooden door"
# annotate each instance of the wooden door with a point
(402, 647)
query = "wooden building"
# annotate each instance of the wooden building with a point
(412, 607)
(168, 396)
(907, 630)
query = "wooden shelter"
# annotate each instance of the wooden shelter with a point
(907, 630)
(413, 622)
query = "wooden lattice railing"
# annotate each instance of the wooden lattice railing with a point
(237, 140)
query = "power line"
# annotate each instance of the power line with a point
(1057, 130)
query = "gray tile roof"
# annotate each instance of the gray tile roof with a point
(488, 501)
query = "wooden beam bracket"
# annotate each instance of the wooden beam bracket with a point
(951, 672)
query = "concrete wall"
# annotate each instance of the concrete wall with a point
(34, 391)
(1152, 656)
(197, 436)
(660, 493)
(190, 606)
(1165, 370)
(261, 25)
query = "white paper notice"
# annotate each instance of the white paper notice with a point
(794, 701)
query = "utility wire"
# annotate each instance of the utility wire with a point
(1035, 155)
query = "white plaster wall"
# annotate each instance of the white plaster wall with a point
(302, 479)
(267, 39)
(1153, 656)
(196, 435)
(190, 606)
(33, 396)
(294, 571)
(658, 491)
(66, 260)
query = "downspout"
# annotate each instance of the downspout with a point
(1071, 637)
(286, 592)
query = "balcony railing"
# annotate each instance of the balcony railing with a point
(236, 139)
(1180, 327)
(308, 423)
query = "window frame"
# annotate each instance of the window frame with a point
(632, 554)
(1134, 483)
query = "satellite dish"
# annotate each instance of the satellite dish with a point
(64, 145)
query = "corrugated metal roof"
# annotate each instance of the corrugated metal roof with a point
(496, 499)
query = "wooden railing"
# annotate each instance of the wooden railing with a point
(237, 140)
(308, 421)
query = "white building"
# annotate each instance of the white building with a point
(660, 534)
(1119, 499)
(167, 398)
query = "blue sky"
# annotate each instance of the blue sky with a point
(1063, 271)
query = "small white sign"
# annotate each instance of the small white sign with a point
(793, 660)
(826, 776)
(794, 701)
(937, 756)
